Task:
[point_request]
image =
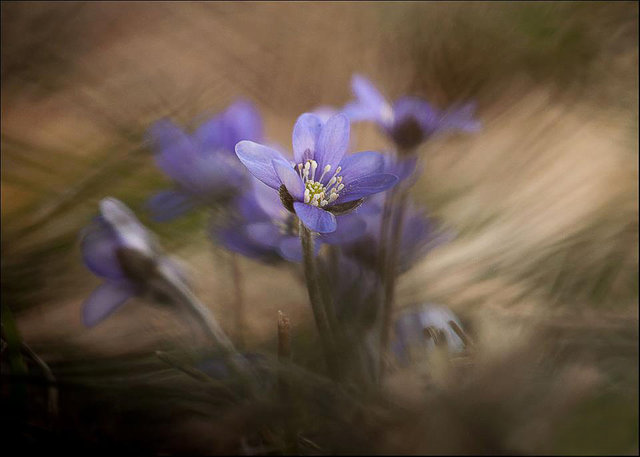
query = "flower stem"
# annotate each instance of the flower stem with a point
(181, 294)
(315, 296)
(390, 274)
(387, 209)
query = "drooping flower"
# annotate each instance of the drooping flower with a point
(119, 249)
(409, 120)
(203, 165)
(263, 229)
(421, 330)
(321, 181)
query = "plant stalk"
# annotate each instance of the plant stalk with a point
(315, 297)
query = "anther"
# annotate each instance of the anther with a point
(326, 170)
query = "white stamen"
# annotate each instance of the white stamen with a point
(314, 165)
(316, 193)
(326, 170)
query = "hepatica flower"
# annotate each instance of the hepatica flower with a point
(321, 181)
(409, 120)
(119, 249)
(203, 164)
(262, 228)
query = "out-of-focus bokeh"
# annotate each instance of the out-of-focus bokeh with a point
(543, 201)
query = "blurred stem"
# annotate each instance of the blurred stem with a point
(390, 272)
(183, 295)
(387, 209)
(17, 364)
(236, 275)
(327, 298)
(52, 390)
(284, 358)
(315, 296)
(17, 390)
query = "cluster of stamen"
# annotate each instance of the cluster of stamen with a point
(316, 193)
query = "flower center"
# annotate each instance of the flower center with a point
(318, 192)
(407, 133)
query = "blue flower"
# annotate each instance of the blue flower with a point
(322, 181)
(410, 120)
(418, 235)
(119, 249)
(202, 165)
(423, 329)
(263, 229)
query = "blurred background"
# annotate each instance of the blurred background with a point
(543, 201)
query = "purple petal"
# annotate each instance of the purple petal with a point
(291, 180)
(198, 168)
(175, 150)
(130, 232)
(210, 135)
(267, 200)
(372, 99)
(365, 186)
(350, 228)
(333, 142)
(237, 240)
(169, 204)
(325, 112)
(356, 112)
(99, 245)
(305, 136)
(104, 300)
(412, 107)
(314, 218)
(258, 160)
(361, 164)
(290, 248)
(242, 121)
(264, 233)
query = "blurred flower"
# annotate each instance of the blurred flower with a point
(418, 234)
(322, 182)
(262, 229)
(354, 290)
(422, 330)
(119, 249)
(403, 167)
(203, 165)
(410, 120)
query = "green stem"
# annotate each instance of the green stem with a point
(315, 296)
